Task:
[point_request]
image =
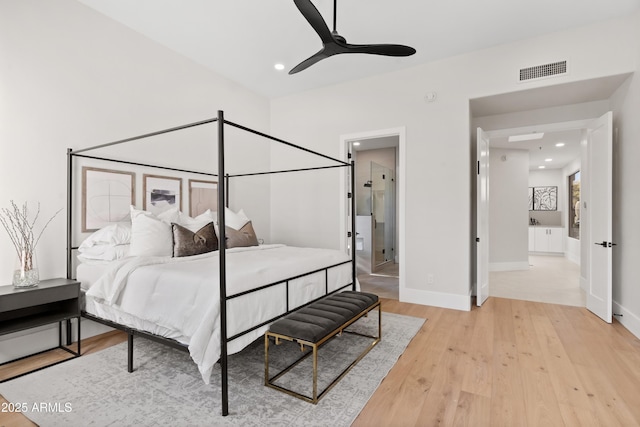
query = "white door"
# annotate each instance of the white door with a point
(482, 218)
(599, 215)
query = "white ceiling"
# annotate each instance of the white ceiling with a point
(242, 40)
(542, 149)
(377, 143)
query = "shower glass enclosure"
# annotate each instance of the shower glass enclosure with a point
(383, 213)
(375, 220)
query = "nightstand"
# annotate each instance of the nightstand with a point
(53, 300)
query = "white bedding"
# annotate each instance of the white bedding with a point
(88, 273)
(179, 297)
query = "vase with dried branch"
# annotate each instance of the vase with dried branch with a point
(21, 229)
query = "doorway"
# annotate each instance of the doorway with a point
(596, 215)
(378, 191)
(535, 107)
(529, 184)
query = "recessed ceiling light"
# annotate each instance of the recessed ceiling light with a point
(541, 167)
(560, 144)
(279, 67)
(356, 143)
(548, 160)
(526, 136)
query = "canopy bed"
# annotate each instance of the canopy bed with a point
(231, 294)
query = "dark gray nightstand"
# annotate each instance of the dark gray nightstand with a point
(53, 300)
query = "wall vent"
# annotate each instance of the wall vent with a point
(541, 71)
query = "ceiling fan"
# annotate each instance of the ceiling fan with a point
(334, 44)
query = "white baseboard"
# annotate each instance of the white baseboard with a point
(547, 253)
(89, 328)
(34, 340)
(574, 258)
(23, 344)
(584, 285)
(509, 266)
(628, 319)
(436, 299)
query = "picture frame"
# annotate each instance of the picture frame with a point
(203, 196)
(107, 195)
(161, 193)
(545, 198)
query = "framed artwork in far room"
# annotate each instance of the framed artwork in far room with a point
(161, 193)
(203, 195)
(543, 198)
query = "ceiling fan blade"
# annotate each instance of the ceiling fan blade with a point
(381, 49)
(318, 56)
(314, 18)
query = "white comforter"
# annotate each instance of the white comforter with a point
(182, 294)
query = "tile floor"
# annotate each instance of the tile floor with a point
(550, 279)
(383, 282)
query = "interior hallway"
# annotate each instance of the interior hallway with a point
(550, 279)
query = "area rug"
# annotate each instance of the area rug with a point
(167, 389)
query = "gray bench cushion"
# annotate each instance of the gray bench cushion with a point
(317, 320)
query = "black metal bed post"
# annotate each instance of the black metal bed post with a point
(69, 212)
(222, 245)
(226, 183)
(353, 224)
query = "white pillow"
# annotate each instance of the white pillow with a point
(104, 252)
(235, 220)
(151, 235)
(168, 216)
(114, 234)
(195, 224)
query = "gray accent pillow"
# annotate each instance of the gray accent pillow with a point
(187, 243)
(241, 238)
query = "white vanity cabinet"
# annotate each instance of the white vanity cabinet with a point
(546, 239)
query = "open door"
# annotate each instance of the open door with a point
(482, 218)
(598, 209)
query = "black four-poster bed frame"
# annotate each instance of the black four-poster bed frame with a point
(223, 199)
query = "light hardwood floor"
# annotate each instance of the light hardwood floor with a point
(508, 363)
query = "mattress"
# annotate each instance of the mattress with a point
(178, 298)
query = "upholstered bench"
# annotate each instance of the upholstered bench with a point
(315, 324)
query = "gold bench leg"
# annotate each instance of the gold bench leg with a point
(315, 374)
(266, 359)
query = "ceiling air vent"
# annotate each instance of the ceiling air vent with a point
(541, 71)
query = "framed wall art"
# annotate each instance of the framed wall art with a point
(106, 197)
(545, 198)
(161, 193)
(203, 195)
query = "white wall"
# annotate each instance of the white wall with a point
(439, 157)
(626, 201)
(70, 77)
(542, 116)
(508, 212)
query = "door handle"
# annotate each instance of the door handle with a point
(603, 244)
